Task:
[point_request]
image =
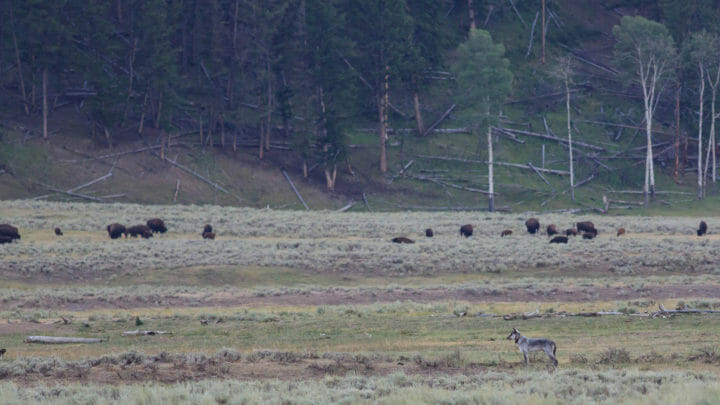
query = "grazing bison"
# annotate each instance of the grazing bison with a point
(9, 231)
(207, 228)
(466, 230)
(559, 239)
(58, 231)
(702, 230)
(402, 239)
(621, 231)
(208, 235)
(506, 232)
(532, 225)
(116, 230)
(552, 230)
(5, 239)
(156, 225)
(589, 235)
(571, 232)
(429, 233)
(586, 226)
(142, 230)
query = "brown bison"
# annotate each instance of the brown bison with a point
(551, 230)
(571, 232)
(9, 231)
(429, 233)
(207, 228)
(586, 226)
(559, 239)
(466, 230)
(58, 231)
(506, 232)
(532, 225)
(156, 225)
(116, 230)
(142, 230)
(621, 231)
(402, 239)
(589, 235)
(208, 235)
(702, 230)
(5, 239)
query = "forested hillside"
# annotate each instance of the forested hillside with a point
(393, 104)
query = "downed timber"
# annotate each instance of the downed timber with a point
(520, 166)
(508, 135)
(532, 34)
(662, 310)
(70, 193)
(365, 201)
(584, 181)
(641, 192)
(505, 208)
(198, 175)
(138, 332)
(62, 340)
(297, 193)
(555, 138)
(538, 173)
(612, 124)
(431, 128)
(444, 183)
(547, 95)
(347, 206)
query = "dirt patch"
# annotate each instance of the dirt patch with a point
(309, 298)
(242, 370)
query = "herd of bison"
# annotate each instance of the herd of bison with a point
(9, 233)
(586, 229)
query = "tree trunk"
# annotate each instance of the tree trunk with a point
(119, 11)
(383, 134)
(202, 137)
(130, 78)
(162, 145)
(261, 151)
(570, 149)
(45, 103)
(418, 116)
(19, 65)
(108, 138)
(142, 115)
(676, 173)
(330, 176)
(159, 112)
(491, 183)
(305, 168)
(700, 183)
(711, 135)
(270, 106)
(471, 14)
(543, 32)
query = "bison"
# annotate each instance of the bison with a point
(207, 228)
(208, 235)
(532, 225)
(466, 230)
(156, 225)
(559, 239)
(551, 230)
(429, 233)
(702, 230)
(506, 232)
(589, 235)
(58, 231)
(571, 232)
(585, 226)
(620, 231)
(9, 231)
(402, 239)
(5, 239)
(116, 230)
(142, 230)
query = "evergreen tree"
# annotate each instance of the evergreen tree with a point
(484, 81)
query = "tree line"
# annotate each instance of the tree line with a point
(311, 68)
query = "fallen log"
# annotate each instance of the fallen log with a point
(520, 166)
(555, 138)
(297, 193)
(199, 176)
(443, 183)
(347, 206)
(438, 121)
(138, 332)
(62, 340)
(538, 173)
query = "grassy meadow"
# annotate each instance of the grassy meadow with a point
(320, 307)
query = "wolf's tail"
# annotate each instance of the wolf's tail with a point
(554, 348)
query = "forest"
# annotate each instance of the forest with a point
(311, 73)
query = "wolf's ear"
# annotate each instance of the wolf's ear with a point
(515, 330)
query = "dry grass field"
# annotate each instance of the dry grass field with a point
(320, 307)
